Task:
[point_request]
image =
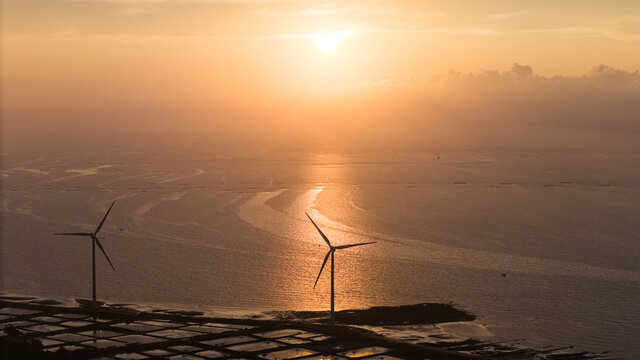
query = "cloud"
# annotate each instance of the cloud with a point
(434, 30)
(522, 71)
(514, 108)
(598, 77)
(130, 11)
(576, 31)
(382, 84)
(151, 2)
(326, 9)
(500, 16)
(588, 31)
(623, 77)
(426, 15)
(72, 33)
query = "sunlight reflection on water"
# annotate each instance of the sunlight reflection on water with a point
(235, 235)
(302, 239)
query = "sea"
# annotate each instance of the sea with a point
(539, 244)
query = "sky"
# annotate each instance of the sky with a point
(415, 73)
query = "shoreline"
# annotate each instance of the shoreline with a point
(59, 326)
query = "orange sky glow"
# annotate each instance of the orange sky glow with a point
(281, 68)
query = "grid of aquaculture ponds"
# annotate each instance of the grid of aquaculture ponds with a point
(133, 337)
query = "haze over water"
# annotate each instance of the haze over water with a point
(211, 227)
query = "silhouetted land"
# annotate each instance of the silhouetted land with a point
(62, 332)
(15, 345)
(418, 314)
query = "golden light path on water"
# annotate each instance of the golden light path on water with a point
(296, 274)
(309, 249)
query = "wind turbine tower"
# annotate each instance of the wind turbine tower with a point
(94, 242)
(332, 250)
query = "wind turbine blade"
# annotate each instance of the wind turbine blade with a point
(74, 234)
(320, 231)
(104, 252)
(352, 245)
(104, 218)
(322, 268)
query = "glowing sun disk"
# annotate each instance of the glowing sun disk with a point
(329, 41)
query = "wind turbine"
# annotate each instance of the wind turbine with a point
(94, 242)
(332, 250)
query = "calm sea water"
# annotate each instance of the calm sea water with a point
(211, 228)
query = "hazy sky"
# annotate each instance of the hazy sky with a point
(382, 69)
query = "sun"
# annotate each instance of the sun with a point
(327, 42)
